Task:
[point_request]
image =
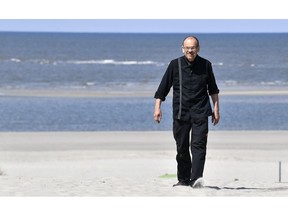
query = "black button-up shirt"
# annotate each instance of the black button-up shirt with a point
(191, 99)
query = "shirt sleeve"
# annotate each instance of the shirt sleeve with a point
(165, 84)
(212, 86)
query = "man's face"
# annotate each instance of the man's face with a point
(190, 48)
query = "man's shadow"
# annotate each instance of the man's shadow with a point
(231, 188)
(246, 188)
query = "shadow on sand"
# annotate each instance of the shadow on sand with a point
(247, 188)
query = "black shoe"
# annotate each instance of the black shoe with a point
(181, 184)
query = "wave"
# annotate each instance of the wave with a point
(81, 62)
(113, 62)
(122, 62)
(15, 60)
(218, 64)
(253, 83)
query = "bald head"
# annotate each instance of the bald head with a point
(191, 37)
(190, 47)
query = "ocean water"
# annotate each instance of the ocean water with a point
(134, 63)
(132, 114)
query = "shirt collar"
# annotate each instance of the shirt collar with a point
(190, 64)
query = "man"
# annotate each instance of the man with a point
(193, 81)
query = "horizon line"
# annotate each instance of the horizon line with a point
(128, 32)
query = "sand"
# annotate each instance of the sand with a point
(143, 92)
(141, 164)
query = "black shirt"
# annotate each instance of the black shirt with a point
(191, 99)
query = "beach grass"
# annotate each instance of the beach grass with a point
(167, 175)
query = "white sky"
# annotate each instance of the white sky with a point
(144, 16)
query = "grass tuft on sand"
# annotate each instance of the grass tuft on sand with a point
(167, 175)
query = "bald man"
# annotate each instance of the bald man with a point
(193, 82)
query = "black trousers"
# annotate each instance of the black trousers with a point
(190, 169)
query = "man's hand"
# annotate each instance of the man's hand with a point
(157, 115)
(215, 118)
(157, 112)
(216, 114)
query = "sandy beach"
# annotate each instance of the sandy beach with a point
(129, 92)
(97, 164)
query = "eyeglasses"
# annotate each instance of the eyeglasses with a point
(190, 48)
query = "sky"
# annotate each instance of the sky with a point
(146, 25)
(149, 16)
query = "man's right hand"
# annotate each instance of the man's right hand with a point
(157, 112)
(157, 115)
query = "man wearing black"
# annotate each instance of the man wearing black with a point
(193, 81)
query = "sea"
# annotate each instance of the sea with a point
(134, 63)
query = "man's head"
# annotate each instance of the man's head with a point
(190, 47)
